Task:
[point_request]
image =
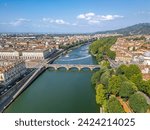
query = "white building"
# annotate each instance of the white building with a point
(142, 59)
(10, 71)
(147, 58)
(9, 54)
(35, 54)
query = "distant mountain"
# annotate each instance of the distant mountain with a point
(141, 28)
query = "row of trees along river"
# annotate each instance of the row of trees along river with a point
(118, 90)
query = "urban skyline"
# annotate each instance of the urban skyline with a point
(68, 16)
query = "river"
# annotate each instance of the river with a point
(60, 91)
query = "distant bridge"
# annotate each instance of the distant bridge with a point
(70, 66)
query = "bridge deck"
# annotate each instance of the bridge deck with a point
(68, 66)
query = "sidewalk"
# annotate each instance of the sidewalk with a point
(126, 108)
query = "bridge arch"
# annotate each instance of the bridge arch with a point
(86, 69)
(96, 68)
(74, 68)
(52, 68)
(62, 68)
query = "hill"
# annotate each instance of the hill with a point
(142, 28)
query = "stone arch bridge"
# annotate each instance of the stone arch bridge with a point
(70, 66)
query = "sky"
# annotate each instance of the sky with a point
(71, 16)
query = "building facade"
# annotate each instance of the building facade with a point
(9, 54)
(35, 55)
(10, 71)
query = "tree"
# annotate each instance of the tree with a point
(105, 63)
(100, 94)
(138, 103)
(114, 105)
(99, 57)
(95, 77)
(111, 54)
(94, 47)
(144, 86)
(127, 89)
(105, 78)
(121, 70)
(114, 84)
(132, 70)
(136, 78)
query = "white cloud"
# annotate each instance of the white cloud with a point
(86, 16)
(92, 18)
(19, 22)
(109, 17)
(81, 16)
(60, 21)
(55, 21)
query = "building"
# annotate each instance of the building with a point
(11, 71)
(9, 54)
(38, 54)
(147, 58)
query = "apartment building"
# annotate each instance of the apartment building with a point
(11, 70)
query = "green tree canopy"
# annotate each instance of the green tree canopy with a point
(136, 78)
(127, 89)
(114, 84)
(138, 103)
(105, 78)
(114, 105)
(95, 77)
(111, 54)
(144, 86)
(105, 63)
(132, 70)
(122, 69)
(100, 94)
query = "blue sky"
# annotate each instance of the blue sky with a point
(71, 16)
